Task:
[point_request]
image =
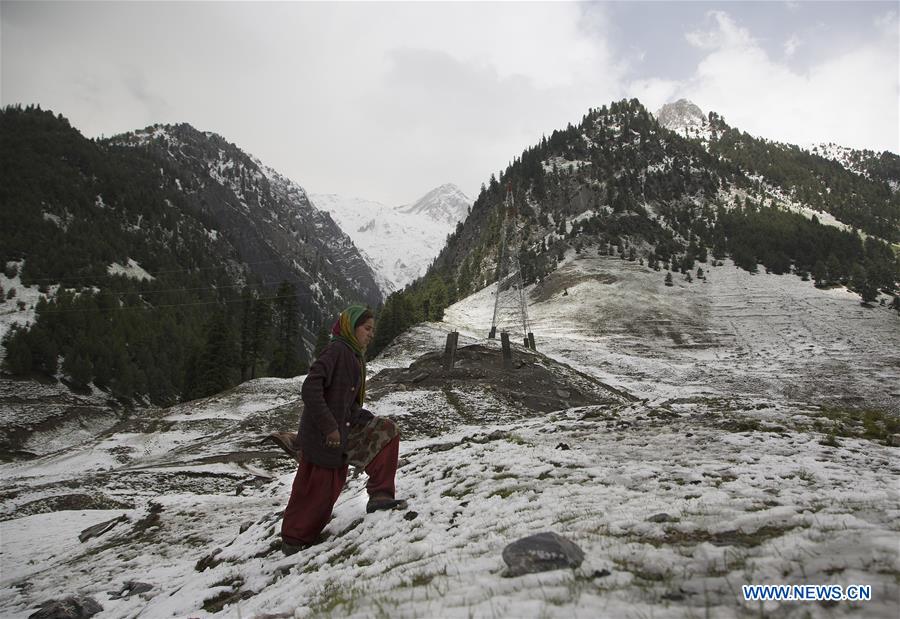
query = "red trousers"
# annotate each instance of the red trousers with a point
(316, 489)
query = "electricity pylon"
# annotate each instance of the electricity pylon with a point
(510, 308)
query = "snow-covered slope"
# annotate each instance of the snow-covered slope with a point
(746, 442)
(398, 243)
(446, 203)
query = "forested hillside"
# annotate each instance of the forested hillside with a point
(147, 291)
(622, 182)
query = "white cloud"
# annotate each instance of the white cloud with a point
(849, 98)
(791, 45)
(654, 92)
(726, 34)
(388, 100)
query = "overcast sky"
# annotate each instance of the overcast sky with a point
(388, 100)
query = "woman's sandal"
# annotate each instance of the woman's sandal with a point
(376, 505)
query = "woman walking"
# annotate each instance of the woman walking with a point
(335, 431)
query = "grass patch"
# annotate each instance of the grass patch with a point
(500, 476)
(333, 597)
(457, 493)
(518, 440)
(724, 538)
(223, 599)
(869, 424)
(420, 580)
(346, 554)
(742, 425)
(830, 441)
(503, 493)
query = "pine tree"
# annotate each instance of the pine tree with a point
(217, 361)
(863, 285)
(78, 368)
(895, 304)
(260, 334)
(286, 358)
(322, 339)
(669, 279)
(18, 353)
(246, 343)
(820, 274)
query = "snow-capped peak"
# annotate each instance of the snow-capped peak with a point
(398, 243)
(685, 118)
(446, 203)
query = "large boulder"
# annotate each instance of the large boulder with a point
(540, 553)
(72, 607)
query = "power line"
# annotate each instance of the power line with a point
(56, 279)
(168, 290)
(153, 307)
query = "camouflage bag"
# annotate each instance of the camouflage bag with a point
(364, 442)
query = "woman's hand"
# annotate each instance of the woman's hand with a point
(333, 440)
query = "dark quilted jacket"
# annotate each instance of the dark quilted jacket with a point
(330, 395)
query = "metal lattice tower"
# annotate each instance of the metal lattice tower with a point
(509, 297)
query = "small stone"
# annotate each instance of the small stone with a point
(661, 517)
(563, 447)
(540, 553)
(410, 515)
(72, 607)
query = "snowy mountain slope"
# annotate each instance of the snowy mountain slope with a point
(398, 243)
(688, 120)
(883, 166)
(447, 204)
(757, 419)
(269, 218)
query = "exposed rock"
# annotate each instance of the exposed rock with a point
(72, 607)
(209, 560)
(99, 529)
(67, 502)
(662, 517)
(131, 587)
(541, 553)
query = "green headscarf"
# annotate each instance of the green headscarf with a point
(344, 329)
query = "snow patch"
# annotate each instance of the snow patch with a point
(131, 269)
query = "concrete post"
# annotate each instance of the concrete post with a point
(507, 351)
(450, 350)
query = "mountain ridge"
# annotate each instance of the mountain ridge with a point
(399, 242)
(235, 253)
